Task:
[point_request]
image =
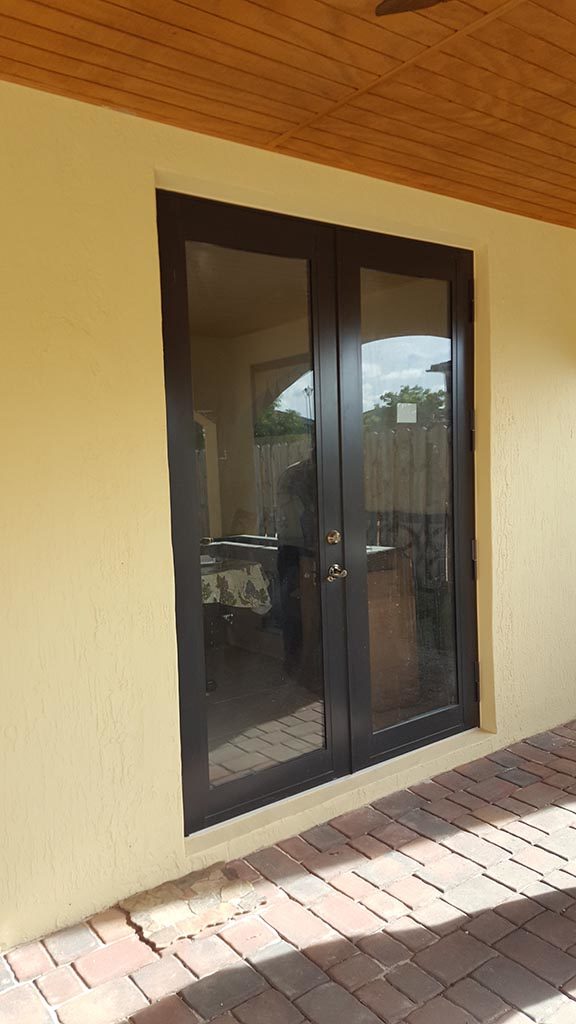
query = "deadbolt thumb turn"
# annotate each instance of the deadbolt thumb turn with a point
(336, 572)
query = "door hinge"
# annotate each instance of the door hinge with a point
(471, 301)
(473, 430)
(474, 551)
(477, 681)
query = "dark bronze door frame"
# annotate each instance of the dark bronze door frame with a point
(334, 256)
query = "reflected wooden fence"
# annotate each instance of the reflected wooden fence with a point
(407, 476)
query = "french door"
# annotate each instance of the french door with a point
(319, 400)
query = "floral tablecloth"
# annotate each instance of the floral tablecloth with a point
(238, 586)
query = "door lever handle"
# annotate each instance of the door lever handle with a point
(336, 572)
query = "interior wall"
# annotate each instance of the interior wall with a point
(89, 751)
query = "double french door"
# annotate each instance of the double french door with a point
(319, 398)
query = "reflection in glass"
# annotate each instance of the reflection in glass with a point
(253, 396)
(406, 391)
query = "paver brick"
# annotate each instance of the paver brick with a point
(29, 961)
(445, 809)
(398, 804)
(162, 978)
(519, 987)
(449, 871)
(356, 971)
(333, 949)
(387, 1002)
(335, 861)
(562, 842)
(454, 957)
(395, 835)
(268, 1008)
(248, 935)
(479, 770)
(7, 979)
(173, 1011)
(107, 1004)
(60, 984)
(489, 927)
(477, 1000)
(353, 886)
(384, 905)
(413, 892)
(512, 874)
(204, 956)
(347, 917)
(476, 849)
(114, 961)
(322, 837)
(440, 917)
(440, 1011)
(539, 860)
(538, 956)
(384, 949)
(287, 969)
(411, 933)
(331, 1003)
(297, 848)
(414, 983)
(428, 825)
(430, 790)
(477, 894)
(369, 846)
(386, 869)
(23, 1005)
(70, 943)
(359, 822)
(538, 795)
(223, 990)
(111, 925)
(560, 931)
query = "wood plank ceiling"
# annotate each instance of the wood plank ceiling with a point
(473, 98)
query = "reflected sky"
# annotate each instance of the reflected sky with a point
(387, 365)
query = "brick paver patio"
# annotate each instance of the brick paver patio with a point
(452, 902)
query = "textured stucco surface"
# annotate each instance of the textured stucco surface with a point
(89, 756)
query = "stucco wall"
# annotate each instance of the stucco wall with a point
(89, 758)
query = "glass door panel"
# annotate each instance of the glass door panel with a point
(406, 359)
(254, 409)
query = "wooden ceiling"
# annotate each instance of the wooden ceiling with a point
(473, 98)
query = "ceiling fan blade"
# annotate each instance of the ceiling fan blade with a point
(403, 6)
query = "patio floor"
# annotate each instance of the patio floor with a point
(452, 902)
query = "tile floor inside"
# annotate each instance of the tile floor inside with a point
(452, 902)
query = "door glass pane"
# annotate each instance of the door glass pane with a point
(254, 408)
(407, 402)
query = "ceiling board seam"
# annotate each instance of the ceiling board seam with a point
(200, 36)
(526, 163)
(144, 60)
(491, 16)
(409, 161)
(538, 39)
(348, 14)
(490, 96)
(127, 74)
(469, 62)
(471, 191)
(289, 42)
(135, 95)
(497, 74)
(234, 46)
(462, 124)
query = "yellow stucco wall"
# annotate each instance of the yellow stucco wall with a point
(89, 758)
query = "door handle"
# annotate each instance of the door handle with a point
(336, 572)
